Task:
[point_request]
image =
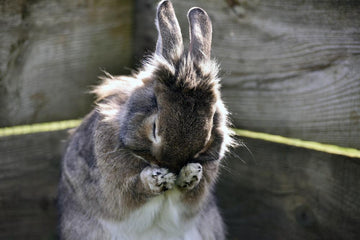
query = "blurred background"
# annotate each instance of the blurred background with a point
(289, 67)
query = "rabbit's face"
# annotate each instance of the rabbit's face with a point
(169, 120)
(185, 115)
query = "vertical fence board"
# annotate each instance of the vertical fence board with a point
(51, 52)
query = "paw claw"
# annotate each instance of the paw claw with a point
(157, 179)
(190, 176)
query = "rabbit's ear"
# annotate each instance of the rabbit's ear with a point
(170, 42)
(200, 34)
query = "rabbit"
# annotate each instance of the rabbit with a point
(143, 163)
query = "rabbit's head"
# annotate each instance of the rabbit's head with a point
(171, 119)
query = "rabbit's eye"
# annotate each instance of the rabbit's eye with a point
(154, 130)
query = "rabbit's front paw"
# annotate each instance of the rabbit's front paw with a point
(190, 176)
(157, 179)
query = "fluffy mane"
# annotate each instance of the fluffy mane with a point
(183, 74)
(122, 86)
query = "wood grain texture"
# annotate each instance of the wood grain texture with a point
(290, 67)
(51, 52)
(284, 192)
(278, 192)
(29, 174)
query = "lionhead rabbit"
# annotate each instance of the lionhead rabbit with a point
(142, 165)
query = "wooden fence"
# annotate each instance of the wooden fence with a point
(290, 67)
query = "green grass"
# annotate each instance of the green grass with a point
(62, 125)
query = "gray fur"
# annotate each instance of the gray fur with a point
(200, 33)
(154, 135)
(170, 40)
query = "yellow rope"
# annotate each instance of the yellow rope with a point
(61, 125)
(333, 149)
(38, 127)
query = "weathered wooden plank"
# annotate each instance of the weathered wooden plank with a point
(280, 192)
(29, 172)
(284, 192)
(290, 67)
(51, 52)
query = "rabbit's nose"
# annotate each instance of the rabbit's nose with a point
(173, 159)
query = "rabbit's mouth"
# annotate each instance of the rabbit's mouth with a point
(145, 156)
(148, 158)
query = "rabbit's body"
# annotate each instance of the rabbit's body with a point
(160, 218)
(143, 164)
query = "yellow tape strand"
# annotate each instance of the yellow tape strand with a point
(333, 149)
(38, 127)
(62, 125)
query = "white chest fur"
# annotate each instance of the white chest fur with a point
(161, 218)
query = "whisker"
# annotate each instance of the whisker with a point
(250, 152)
(237, 156)
(230, 170)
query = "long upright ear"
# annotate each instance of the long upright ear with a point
(200, 34)
(170, 42)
